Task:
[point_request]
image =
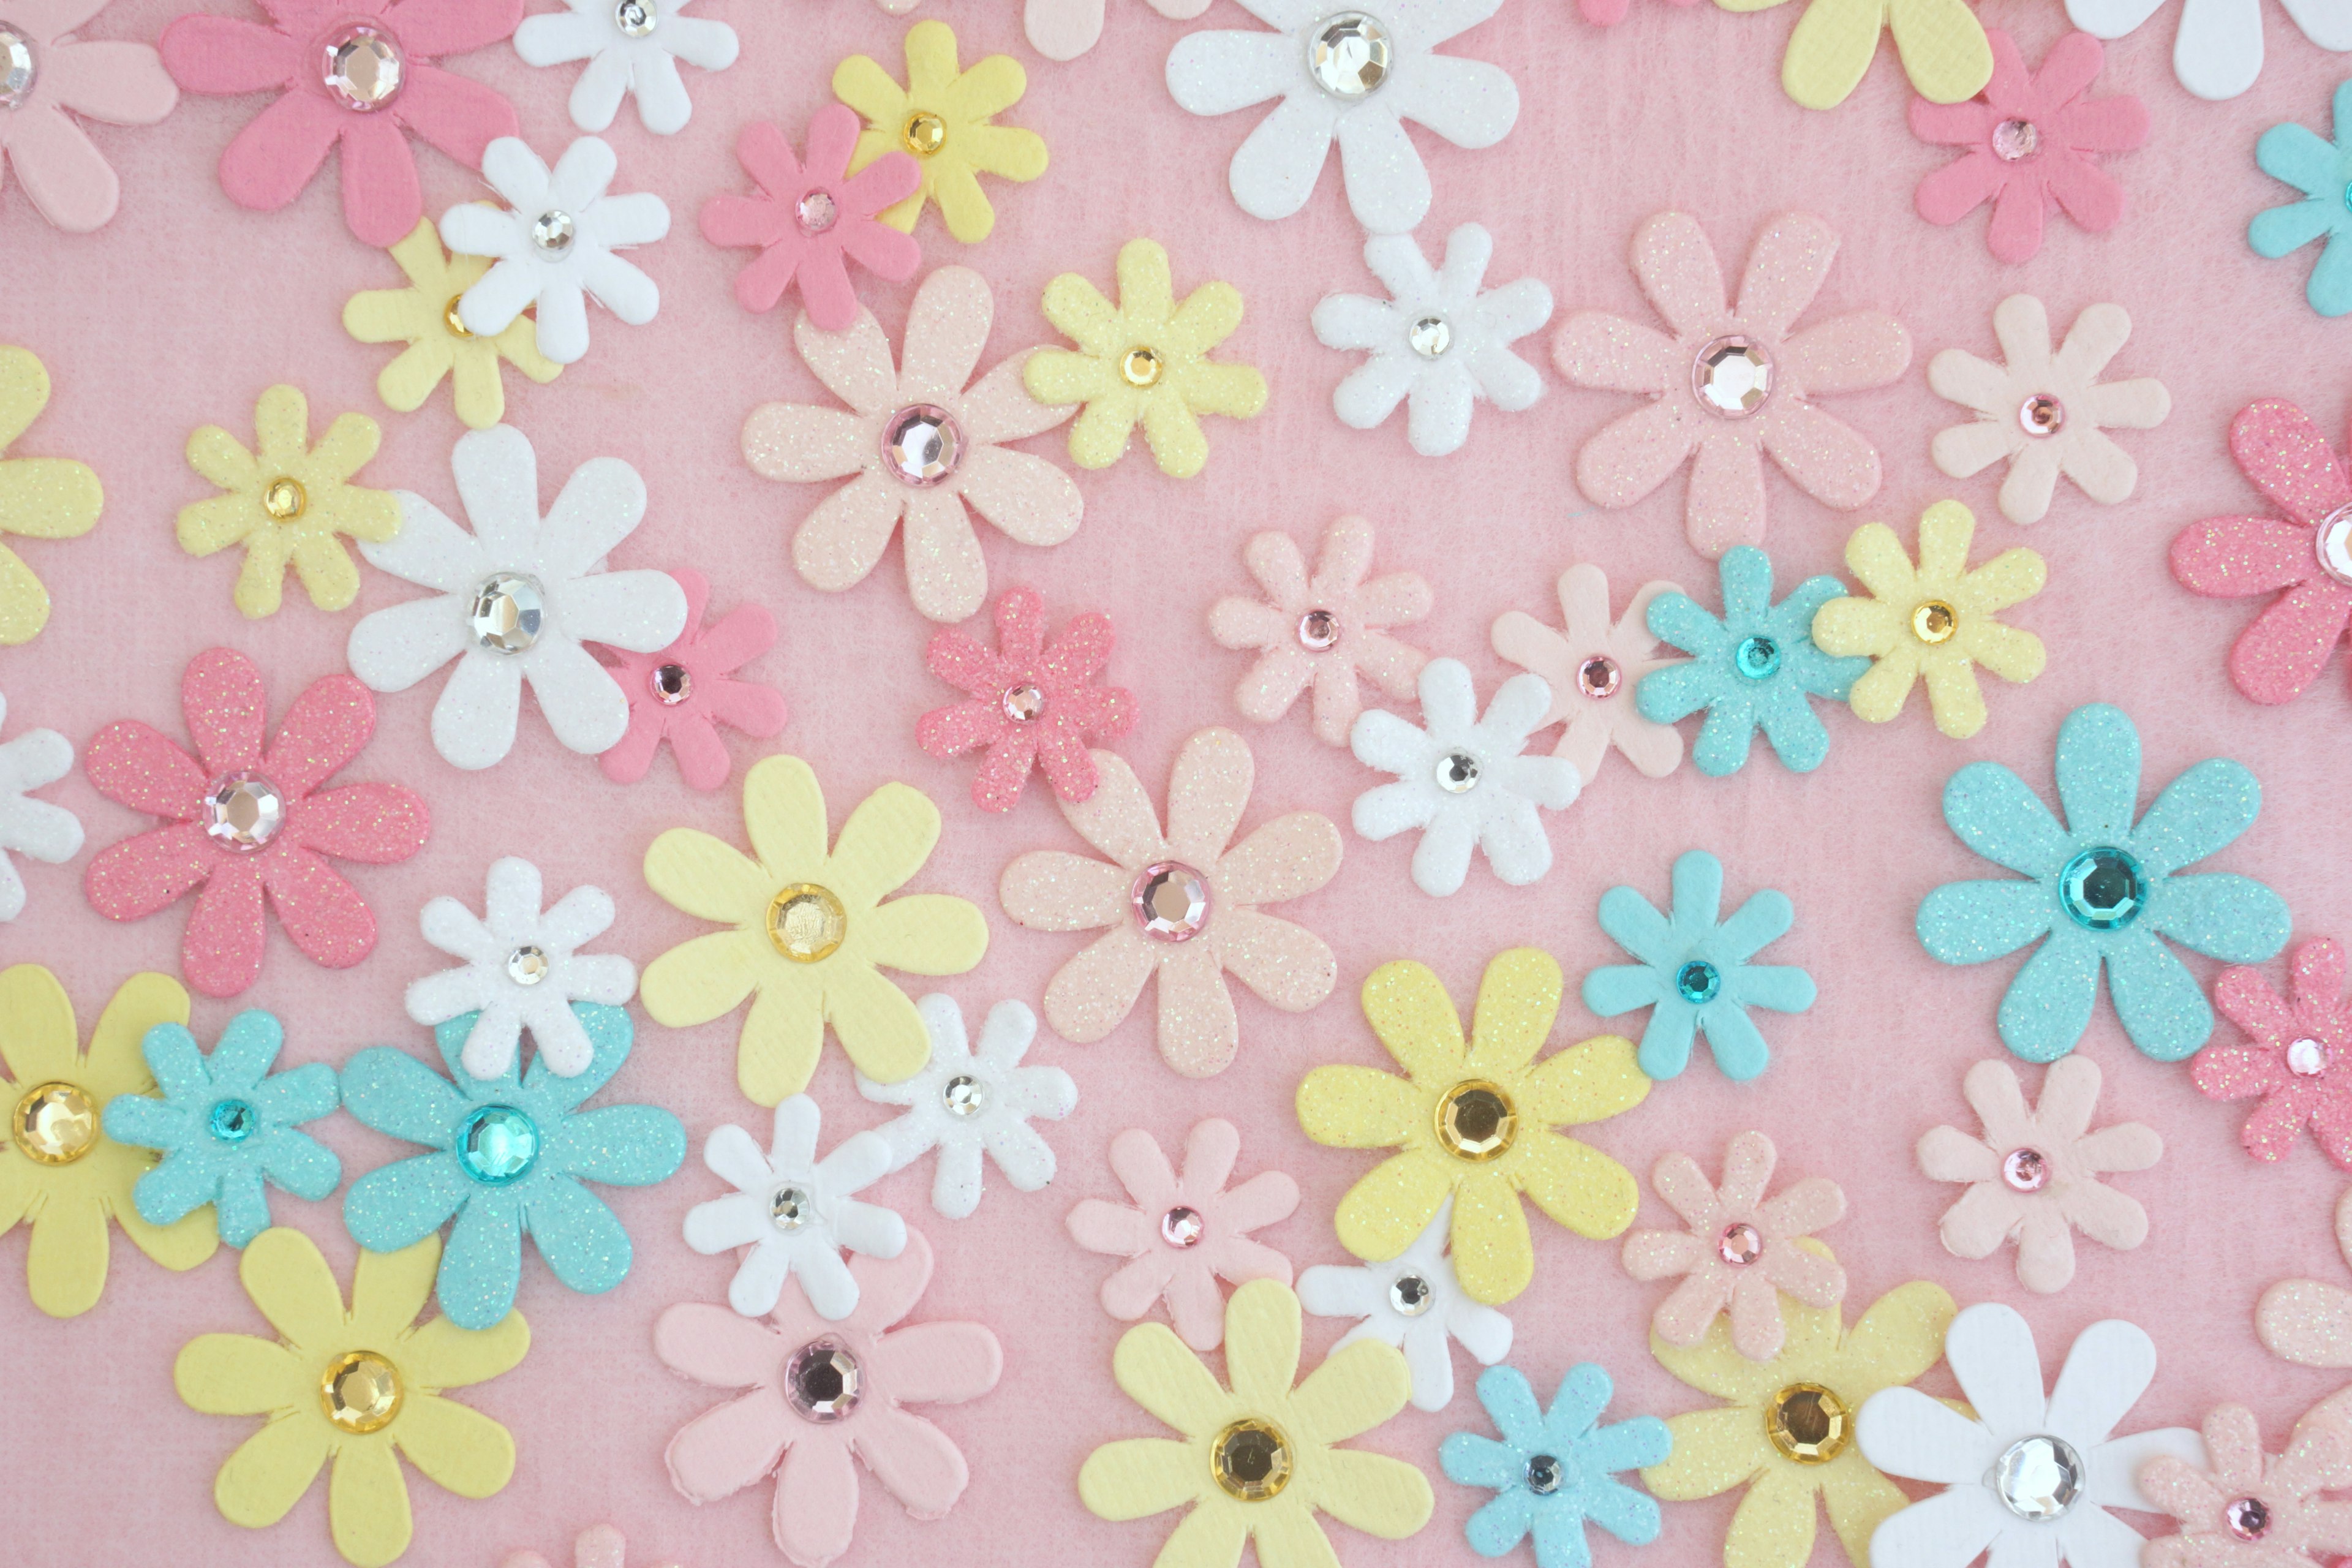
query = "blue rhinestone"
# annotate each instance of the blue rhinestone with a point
(2103, 889)
(2348, 195)
(497, 1145)
(1698, 981)
(1757, 658)
(234, 1121)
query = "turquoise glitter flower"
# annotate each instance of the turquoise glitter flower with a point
(1695, 974)
(510, 1154)
(2102, 891)
(2322, 171)
(1552, 1473)
(1753, 667)
(227, 1124)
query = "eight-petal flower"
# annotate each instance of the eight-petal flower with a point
(2250, 1510)
(1030, 705)
(1941, 43)
(1554, 1470)
(682, 693)
(45, 831)
(631, 48)
(2217, 52)
(424, 316)
(807, 219)
(120, 83)
(2320, 170)
(1415, 1302)
(40, 498)
(964, 1103)
(945, 116)
(2299, 1063)
(1594, 667)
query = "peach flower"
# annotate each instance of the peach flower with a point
(2250, 1511)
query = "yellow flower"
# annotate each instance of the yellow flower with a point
(1937, 620)
(1147, 359)
(40, 498)
(1941, 42)
(424, 317)
(353, 1386)
(1476, 1124)
(289, 502)
(58, 1170)
(1257, 1462)
(809, 930)
(942, 118)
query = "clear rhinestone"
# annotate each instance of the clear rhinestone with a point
(672, 683)
(1457, 773)
(817, 212)
(1732, 376)
(2333, 540)
(1757, 657)
(636, 18)
(1182, 1226)
(362, 67)
(791, 1207)
(2102, 888)
(921, 443)
(1250, 1459)
(1476, 1120)
(1697, 981)
(553, 232)
(1410, 1295)
(1430, 337)
(924, 134)
(1140, 366)
(243, 811)
(1935, 622)
(1318, 630)
(285, 499)
(1171, 900)
(965, 1095)
(233, 1120)
(2015, 139)
(2041, 415)
(1545, 1474)
(1598, 677)
(361, 1391)
(16, 70)
(54, 1123)
(806, 923)
(2306, 1058)
(1739, 1245)
(1809, 1423)
(2026, 1169)
(496, 1145)
(506, 613)
(2038, 1478)
(527, 966)
(1347, 55)
(822, 1382)
(1024, 703)
(2249, 1518)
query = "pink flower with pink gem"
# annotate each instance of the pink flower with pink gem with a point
(46, 77)
(684, 693)
(1034, 705)
(2300, 1063)
(2248, 1509)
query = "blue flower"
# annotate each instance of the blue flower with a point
(225, 1125)
(2322, 171)
(1754, 667)
(510, 1154)
(1552, 1472)
(2102, 891)
(1695, 974)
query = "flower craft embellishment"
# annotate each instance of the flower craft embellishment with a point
(945, 116)
(39, 829)
(598, 1546)
(1031, 705)
(809, 221)
(55, 80)
(2290, 1062)
(40, 498)
(1064, 29)
(1942, 45)
(2307, 1321)
(440, 345)
(1555, 1471)
(2217, 52)
(2295, 155)
(684, 693)
(1593, 666)
(1415, 1302)
(2248, 1509)
(965, 1103)
(633, 49)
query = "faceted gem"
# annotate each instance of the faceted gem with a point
(2103, 889)
(1732, 376)
(553, 232)
(506, 613)
(924, 134)
(965, 1095)
(1140, 366)
(2038, 1478)
(1935, 622)
(2306, 1058)
(1457, 773)
(527, 966)
(361, 1391)
(921, 443)
(56, 1124)
(1544, 1473)
(2026, 1169)
(636, 18)
(1024, 703)
(1739, 1245)
(2015, 139)
(1410, 1295)
(1347, 55)
(1598, 677)
(1251, 1459)
(1757, 657)
(1697, 981)
(453, 322)
(1182, 1226)
(1476, 1120)
(817, 212)
(822, 1382)
(1171, 900)
(16, 70)
(1317, 630)
(2249, 1517)
(806, 923)
(1430, 337)
(496, 1145)
(2333, 540)
(791, 1207)
(243, 811)
(672, 684)
(1807, 1424)
(284, 500)
(362, 67)
(2041, 415)
(234, 1121)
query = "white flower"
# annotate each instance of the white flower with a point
(2217, 52)
(522, 970)
(34, 827)
(961, 1104)
(631, 45)
(1412, 1301)
(2030, 1478)
(1462, 781)
(1351, 74)
(1436, 339)
(556, 243)
(517, 598)
(794, 1211)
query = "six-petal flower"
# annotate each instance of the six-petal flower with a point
(1593, 667)
(40, 498)
(631, 48)
(424, 316)
(120, 83)
(809, 220)
(1415, 1302)
(682, 693)
(964, 1103)
(1554, 1470)
(2251, 1509)
(2320, 170)
(45, 831)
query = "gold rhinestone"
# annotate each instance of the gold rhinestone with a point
(1935, 621)
(361, 1391)
(924, 134)
(1142, 366)
(284, 499)
(1807, 1424)
(806, 923)
(453, 322)
(1251, 1459)
(56, 1124)
(1476, 1120)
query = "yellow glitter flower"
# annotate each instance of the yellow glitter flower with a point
(40, 498)
(289, 502)
(1144, 359)
(353, 1387)
(942, 118)
(1476, 1123)
(424, 317)
(1943, 46)
(1937, 620)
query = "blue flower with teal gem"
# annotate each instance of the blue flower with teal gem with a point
(227, 1124)
(510, 1154)
(1695, 975)
(1755, 668)
(1553, 1473)
(2322, 171)
(2102, 891)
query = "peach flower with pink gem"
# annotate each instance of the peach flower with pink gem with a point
(2248, 1509)
(1592, 666)
(2299, 1063)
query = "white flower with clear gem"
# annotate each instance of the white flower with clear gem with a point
(964, 1104)
(516, 599)
(631, 46)
(1462, 780)
(794, 1211)
(1350, 75)
(1413, 1302)
(35, 827)
(555, 245)
(1436, 339)
(2030, 1478)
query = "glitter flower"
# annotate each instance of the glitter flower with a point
(945, 116)
(1941, 43)
(244, 819)
(2218, 51)
(1032, 706)
(808, 222)
(1732, 382)
(794, 1211)
(2247, 1510)
(598, 1546)
(68, 178)
(440, 345)
(1182, 905)
(1415, 1302)
(40, 498)
(633, 49)
(2292, 154)
(2291, 1064)
(682, 693)
(2309, 1321)
(1554, 1470)
(1064, 29)
(1594, 667)
(42, 829)
(964, 1103)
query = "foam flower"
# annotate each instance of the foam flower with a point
(45, 831)
(1064, 29)
(1476, 1123)
(361, 74)
(440, 345)
(808, 222)
(945, 116)
(1594, 667)
(68, 179)
(1184, 1233)
(1032, 706)
(813, 929)
(1941, 43)
(1182, 905)
(2248, 1509)
(244, 819)
(2102, 891)
(964, 1103)
(1554, 1470)
(2309, 1321)
(1731, 381)
(2297, 156)
(2217, 52)
(682, 693)
(633, 49)
(598, 1546)
(1415, 1302)
(40, 498)
(2290, 1063)
(1143, 361)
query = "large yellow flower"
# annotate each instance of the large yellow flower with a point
(1257, 1462)
(1476, 1123)
(40, 498)
(424, 317)
(1943, 45)
(352, 1387)
(942, 118)
(809, 930)
(58, 1170)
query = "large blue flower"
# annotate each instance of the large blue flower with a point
(510, 1154)
(1551, 1473)
(2102, 891)
(227, 1124)
(2322, 171)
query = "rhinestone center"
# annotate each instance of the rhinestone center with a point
(924, 134)
(2026, 1169)
(2249, 1518)
(791, 1207)
(822, 1382)
(2332, 540)
(233, 1120)
(1024, 703)
(1807, 1424)
(2013, 140)
(922, 444)
(56, 1124)
(806, 923)
(16, 66)
(1430, 337)
(1697, 981)
(2038, 1478)
(817, 212)
(1410, 1295)
(965, 1095)
(1140, 366)
(2306, 1058)
(1251, 1459)
(285, 499)
(243, 811)
(1739, 1245)
(1732, 376)
(636, 18)
(363, 69)
(528, 965)
(1935, 622)
(1349, 54)
(1757, 658)
(1318, 630)
(1598, 677)
(453, 320)
(361, 1391)
(496, 1145)
(1476, 1120)
(1457, 773)
(1171, 900)
(553, 232)
(2041, 415)
(507, 612)
(1182, 1226)
(672, 683)
(2102, 888)
(1545, 1474)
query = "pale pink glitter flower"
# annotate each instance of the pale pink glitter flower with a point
(2300, 1063)
(1593, 667)
(2250, 1510)
(598, 1546)
(2309, 1321)
(120, 83)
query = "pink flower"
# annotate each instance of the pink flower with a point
(1608, 13)
(2292, 1064)
(70, 181)
(244, 820)
(820, 1391)
(2250, 1511)
(684, 693)
(390, 86)
(1323, 630)
(598, 1546)
(1732, 381)
(1594, 667)
(1064, 29)
(2307, 553)
(1033, 706)
(2033, 141)
(1184, 1233)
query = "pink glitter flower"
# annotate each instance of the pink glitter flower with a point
(67, 176)
(1184, 1233)
(598, 1546)
(684, 693)
(389, 86)
(2292, 1064)
(805, 1411)
(1033, 706)
(2249, 1511)
(2033, 141)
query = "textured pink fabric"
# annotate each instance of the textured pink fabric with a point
(1608, 13)
(1058, 677)
(598, 1546)
(2300, 1063)
(709, 656)
(2249, 1510)
(67, 176)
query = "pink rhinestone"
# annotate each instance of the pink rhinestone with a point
(2027, 1170)
(2015, 139)
(1317, 630)
(1182, 1226)
(2306, 1058)
(361, 66)
(1739, 1245)
(1171, 900)
(2041, 415)
(817, 212)
(1598, 677)
(2249, 1518)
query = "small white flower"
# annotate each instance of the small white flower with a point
(35, 827)
(961, 1104)
(517, 598)
(631, 46)
(1412, 1301)
(2217, 52)
(794, 1211)
(555, 245)
(1462, 781)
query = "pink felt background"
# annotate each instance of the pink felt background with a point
(186, 307)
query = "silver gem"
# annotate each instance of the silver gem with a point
(17, 70)
(363, 69)
(965, 1095)
(2332, 540)
(1732, 376)
(1182, 1226)
(1171, 900)
(527, 966)
(553, 232)
(2041, 414)
(2306, 1058)
(2038, 1478)
(1430, 337)
(506, 613)
(1347, 55)
(672, 684)
(1024, 703)
(243, 811)
(921, 443)
(1410, 1295)
(636, 18)
(1457, 773)
(822, 1382)
(791, 1207)
(2015, 139)
(817, 212)
(1317, 630)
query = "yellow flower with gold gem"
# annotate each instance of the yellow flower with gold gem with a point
(40, 498)
(1144, 360)
(1938, 620)
(59, 1172)
(1475, 1122)
(1942, 45)
(360, 1388)
(812, 929)
(424, 316)
(942, 118)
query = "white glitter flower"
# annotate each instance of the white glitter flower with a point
(516, 599)
(2217, 52)
(1412, 1301)
(35, 827)
(631, 46)
(794, 1211)
(962, 1104)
